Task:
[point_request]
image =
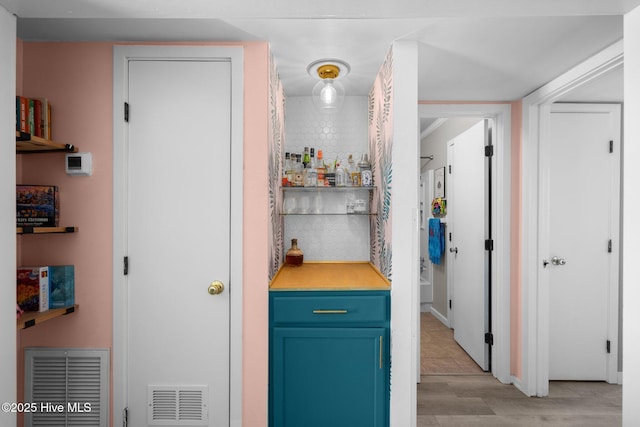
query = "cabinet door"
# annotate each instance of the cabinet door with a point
(330, 377)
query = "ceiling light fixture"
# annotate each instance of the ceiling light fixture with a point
(328, 93)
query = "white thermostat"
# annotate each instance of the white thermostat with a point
(78, 164)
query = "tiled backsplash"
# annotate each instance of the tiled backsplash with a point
(328, 237)
(337, 135)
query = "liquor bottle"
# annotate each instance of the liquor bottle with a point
(294, 256)
(320, 170)
(298, 178)
(310, 173)
(306, 158)
(286, 166)
(354, 175)
(365, 171)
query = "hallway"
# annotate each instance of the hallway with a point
(440, 354)
(454, 392)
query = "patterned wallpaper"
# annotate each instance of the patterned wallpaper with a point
(337, 136)
(276, 142)
(380, 143)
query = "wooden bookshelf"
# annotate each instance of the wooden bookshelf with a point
(32, 318)
(45, 230)
(27, 143)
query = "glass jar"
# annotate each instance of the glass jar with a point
(294, 255)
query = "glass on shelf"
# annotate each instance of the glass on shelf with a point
(328, 201)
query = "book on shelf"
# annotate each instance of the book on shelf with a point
(47, 287)
(33, 116)
(32, 288)
(37, 206)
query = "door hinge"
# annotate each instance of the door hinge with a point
(126, 265)
(449, 169)
(125, 417)
(450, 305)
(610, 246)
(611, 146)
(488, 245)
(488, 150)
(450, 237)
(126, 112)
(608, 346)
(488, 338)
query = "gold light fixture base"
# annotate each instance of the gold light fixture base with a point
(328, 68)
(328, 71)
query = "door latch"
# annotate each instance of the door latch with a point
(554, 261)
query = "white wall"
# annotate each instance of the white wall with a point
(404, 226)
(7, 214)
(631, 226)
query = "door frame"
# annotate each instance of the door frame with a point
(534, 379)
(501, 222)
(121, 56)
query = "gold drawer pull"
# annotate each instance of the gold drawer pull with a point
(329, 311)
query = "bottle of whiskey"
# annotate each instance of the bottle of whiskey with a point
(294, 256)
(320, 170)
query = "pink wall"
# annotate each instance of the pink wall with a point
(77, 79)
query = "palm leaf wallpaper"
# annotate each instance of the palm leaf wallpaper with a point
(380, 143)
(276, 142)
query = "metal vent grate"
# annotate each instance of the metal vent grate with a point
(72, 379)
(178, 405)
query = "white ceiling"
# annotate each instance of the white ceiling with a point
(468, 49)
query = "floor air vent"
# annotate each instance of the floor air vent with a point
(66, 387)
(178, 405)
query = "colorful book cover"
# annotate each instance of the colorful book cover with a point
(31, 117)
(61, 286)
(44, 121)
(17, 114)
(24, 113)
(37, 206)
(32, 288)
(37, 117)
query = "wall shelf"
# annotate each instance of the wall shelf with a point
(329, 213)
(328, 189)
(45, 230)
(27, 144)
(32, 318)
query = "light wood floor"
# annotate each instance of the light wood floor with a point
(451, 395)
(440, 354)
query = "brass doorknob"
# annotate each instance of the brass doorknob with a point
(216, 287)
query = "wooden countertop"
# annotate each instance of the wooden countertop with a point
(329, 276)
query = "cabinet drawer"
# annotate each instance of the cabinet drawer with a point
(329, 309)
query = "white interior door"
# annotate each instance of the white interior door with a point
(584, 185)
(466, 222)
(178, 242)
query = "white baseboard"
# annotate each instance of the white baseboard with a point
(426, 307)
(440, 317)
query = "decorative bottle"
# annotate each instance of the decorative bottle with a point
(310, 172)
(320, 169)
(294, 255)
